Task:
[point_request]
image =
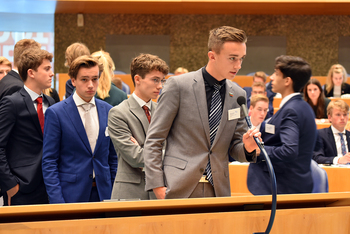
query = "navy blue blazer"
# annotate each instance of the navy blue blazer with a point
(328, 149)
(290, 149)
(68, 161)
(21, 142)
(10, 84)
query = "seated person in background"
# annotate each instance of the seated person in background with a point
(117, 82)
(313, 94)
(260, 76)
(72, 52)
(260, 88)
(106, 90)
(335, 140)
(5, 67)
(335, 83)
(79, 161)
(259, 106)
(180, 70)
(128, 124)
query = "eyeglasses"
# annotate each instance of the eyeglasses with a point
(156, 81)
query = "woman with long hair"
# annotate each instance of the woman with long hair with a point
(106, 90)
(336, 82)
(313, 94)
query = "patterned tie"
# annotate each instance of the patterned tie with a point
(89, 126)
(343, 149)
(145, 108)
(214, 121)
(40, 112)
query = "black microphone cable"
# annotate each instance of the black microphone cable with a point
(242, 102)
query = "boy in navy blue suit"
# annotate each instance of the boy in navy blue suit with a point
(289, 135)
(79, 160)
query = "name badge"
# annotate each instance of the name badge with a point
(269, 128)
(234, 113)
(106, 132)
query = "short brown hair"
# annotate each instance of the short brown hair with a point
(5, 61)
(146, 63)
(261, 75)
(32, 58)
(259, 84)
(86, 61)
(218, 36)
(340, 104)
(74, 51)
(21, 46)
(257, 98)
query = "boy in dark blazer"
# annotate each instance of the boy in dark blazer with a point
(289, 135)
(331, 150)
(21, 131)
(79, 161)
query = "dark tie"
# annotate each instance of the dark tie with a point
(214, 121)
(343, 149)
(40, 112)
(145, 108)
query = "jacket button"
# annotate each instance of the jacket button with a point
(90, 176)
(210, 152)
(201, 170)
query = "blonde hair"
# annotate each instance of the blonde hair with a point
(47, 91)
(5, 61)
(180, 70)
(106, 77)
(218, 36)
(257, 98)
(340, 104)
(260, 74)
(336, 68)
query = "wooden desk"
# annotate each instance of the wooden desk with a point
(301, 213)
(338, 179)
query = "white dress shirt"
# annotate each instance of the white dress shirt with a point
(338, 144)
(142, 103)
(33, 95)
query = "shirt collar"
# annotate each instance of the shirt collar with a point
(287, 98)
(210, 79)
(33, 95)
(79, 101)
(142, 102)
(335, 131)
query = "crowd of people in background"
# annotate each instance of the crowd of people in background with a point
(99, 144)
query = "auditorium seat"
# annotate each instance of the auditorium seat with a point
(319, 177)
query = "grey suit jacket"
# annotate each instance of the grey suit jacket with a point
(126, 120)
(182, 119)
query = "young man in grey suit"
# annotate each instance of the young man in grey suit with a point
(199, 117)
(128, 124)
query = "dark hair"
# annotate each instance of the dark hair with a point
(320, 105)
(86, 61)
(32, 58)
(296, 68)
(146, 63)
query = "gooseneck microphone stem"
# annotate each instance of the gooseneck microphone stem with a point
(242, 102)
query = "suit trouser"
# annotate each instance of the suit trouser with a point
(203, 189)
(38, 196)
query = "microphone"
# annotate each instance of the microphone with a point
(241, 101)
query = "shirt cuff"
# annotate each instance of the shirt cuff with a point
(249, 156)
(335, 160)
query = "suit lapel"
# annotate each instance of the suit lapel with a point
(332, 140)
(200, 95)
(139, 113)
(31, 109)
(102, 119)
(74, 116)
(347, 133)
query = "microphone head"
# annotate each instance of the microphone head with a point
(241, 100)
